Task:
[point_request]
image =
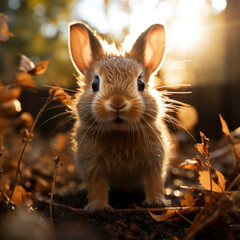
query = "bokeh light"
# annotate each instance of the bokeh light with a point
(219, 5)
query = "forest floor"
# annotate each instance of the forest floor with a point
(194, 211)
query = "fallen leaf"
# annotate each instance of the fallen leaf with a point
(192, 164)
(26, 64)
(188, 200)
(4, 33)
(204, 180)
(40, 68)
(221, 180)
(203, 147)
(225, 129)
(60, 95)
(162, 217)
(20, 195)
(24, 79)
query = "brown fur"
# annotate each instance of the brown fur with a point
(135, 152)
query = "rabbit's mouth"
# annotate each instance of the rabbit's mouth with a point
(118, 120)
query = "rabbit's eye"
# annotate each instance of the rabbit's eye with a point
(95, 84)
(141, 84)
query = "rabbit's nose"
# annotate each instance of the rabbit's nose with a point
(117, 107)
(117, 102)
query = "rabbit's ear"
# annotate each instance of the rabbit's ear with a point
(149, 48)
(84, 47)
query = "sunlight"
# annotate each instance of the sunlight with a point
(185, 31)
(219, 5)
(183, 19)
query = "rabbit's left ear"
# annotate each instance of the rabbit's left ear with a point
(149, 48)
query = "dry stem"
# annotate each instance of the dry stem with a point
(56, 164)
(24, 145)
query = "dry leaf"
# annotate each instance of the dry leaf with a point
(24, 79)
(20, 195)
(221, 180)
(188, 200)
(192, 164)
(204, 180)
(162, 217)
(26, 64)
(9, 94)
(60, 95)
(203, 147)
(225, 129)
(40, 68)
(4, 33)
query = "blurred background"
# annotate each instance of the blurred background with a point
(203, 47)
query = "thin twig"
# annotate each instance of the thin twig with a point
(27, 140)
(56, 164)
(124, 210)
(233, 183)
(180, 215)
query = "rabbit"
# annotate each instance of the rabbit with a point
(120, 136)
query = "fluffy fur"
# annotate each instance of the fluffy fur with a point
(133, 152)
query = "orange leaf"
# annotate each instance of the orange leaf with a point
(204, 180)
(192, 164)
(26, 64)
(199, 147)
(221, 180)
(20, 195)
(225, 129)
(25, 80)
(40, 68)
(203, 147)
(162, 217)
(60, 95)
(4, 33)
(188, 200)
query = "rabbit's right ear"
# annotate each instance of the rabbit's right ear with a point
(84, 47)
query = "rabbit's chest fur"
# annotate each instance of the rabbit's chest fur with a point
(124, 157)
